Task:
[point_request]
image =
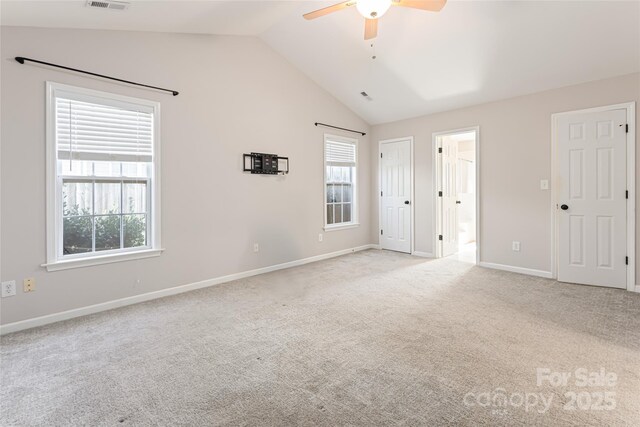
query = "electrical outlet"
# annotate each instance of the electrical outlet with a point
(544, 184)
(8, 288)
(29, 284)
(515, 246)
(256, 247)
(320, 237)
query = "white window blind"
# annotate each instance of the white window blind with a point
(89, 131)
(339, 153)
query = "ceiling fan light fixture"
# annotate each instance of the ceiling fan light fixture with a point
(373, 9)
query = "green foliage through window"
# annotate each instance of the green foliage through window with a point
(78, 230)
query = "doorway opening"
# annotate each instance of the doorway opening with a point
(456, 169)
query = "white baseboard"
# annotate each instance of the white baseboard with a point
(109, 305)
(513, 269)
(422, 254)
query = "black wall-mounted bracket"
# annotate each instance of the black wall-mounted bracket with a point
(265, 164)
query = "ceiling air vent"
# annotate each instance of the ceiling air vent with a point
(113, 5)
(366, 95)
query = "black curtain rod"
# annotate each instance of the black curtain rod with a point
(336, 127)
(22, 59)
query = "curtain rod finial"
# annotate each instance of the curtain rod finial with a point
(20, 59)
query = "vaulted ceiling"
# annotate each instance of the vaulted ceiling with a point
(469, 53)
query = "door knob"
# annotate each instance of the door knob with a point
(564, 207)
(406, 202)
(458, 202)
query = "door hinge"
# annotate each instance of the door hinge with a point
(381, 194)
(626, 260)
(626, 194)
(439, 193)
(626, 128)
(380, 155)
(381, 232)
(440, 237)
(440, 150)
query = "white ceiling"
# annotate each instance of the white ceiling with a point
(176, 16)
(469, 53)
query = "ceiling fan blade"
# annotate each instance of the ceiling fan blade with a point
(370, 28)
(430, 5)
(327, 10)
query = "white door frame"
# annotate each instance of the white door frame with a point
(412, 192)
(437, 180)
(631, 187)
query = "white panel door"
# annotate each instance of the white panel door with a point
(395, 196)
(449, 197)
(592, 198)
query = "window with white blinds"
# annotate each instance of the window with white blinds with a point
(102, 197)
(338, 153)
(340, 164)
(100, 131)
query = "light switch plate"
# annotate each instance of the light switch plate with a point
(544, 184)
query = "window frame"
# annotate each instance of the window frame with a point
(354, 201)
(54, 184)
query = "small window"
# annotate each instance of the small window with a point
(102, 175)
(340, 165)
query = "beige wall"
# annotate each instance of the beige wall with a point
(236, 96)
(515, 154)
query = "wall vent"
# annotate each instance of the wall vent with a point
(366, 95)
(108, 4)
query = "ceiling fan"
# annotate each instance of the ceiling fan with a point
(374, 9)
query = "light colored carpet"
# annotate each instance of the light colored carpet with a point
(372, 338)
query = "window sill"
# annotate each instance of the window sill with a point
(341, 227)
(101, 259)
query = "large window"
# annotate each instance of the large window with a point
(102, 177)
(340, 163)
